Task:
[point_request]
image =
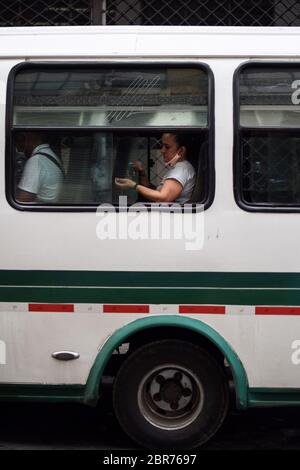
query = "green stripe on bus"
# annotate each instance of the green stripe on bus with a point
(151, 296)
(141, 287)
(151, 279)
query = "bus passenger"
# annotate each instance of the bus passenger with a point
(43, 173)
(179, 181)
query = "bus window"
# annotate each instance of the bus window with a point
(95, 120)
(268, 147)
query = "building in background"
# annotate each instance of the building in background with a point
(150, 12)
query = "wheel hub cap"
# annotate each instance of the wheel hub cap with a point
(170, 397)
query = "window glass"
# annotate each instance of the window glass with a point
(270, 96)
(75, 129)
(271, 168)
(269, 138)
(111, 97)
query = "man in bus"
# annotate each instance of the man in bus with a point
(43, 173)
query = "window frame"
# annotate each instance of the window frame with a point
(239, 129)
(147, 130)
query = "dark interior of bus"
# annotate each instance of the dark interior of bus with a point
(93, 160)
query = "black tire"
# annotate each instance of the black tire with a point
(170, 394)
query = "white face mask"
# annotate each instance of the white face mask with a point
(173, 161)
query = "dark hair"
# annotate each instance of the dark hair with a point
(192, 143)
(182, 140)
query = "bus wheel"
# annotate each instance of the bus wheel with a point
(170, 394)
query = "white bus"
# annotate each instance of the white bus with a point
(177, 320)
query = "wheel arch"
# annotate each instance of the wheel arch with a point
(140, 326)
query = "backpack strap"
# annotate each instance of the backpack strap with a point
(53, 160)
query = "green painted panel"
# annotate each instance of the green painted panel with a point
(271, 397)
(39, 392)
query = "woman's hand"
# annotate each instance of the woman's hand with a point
(138, 166)
(125, 183)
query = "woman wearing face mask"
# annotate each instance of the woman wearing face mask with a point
(179, 180)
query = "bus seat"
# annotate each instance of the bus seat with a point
(77, 185)
(199, 190)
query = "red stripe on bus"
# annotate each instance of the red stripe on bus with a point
(219, 309)
(277, 310)
(51, 308)
(126, 309)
